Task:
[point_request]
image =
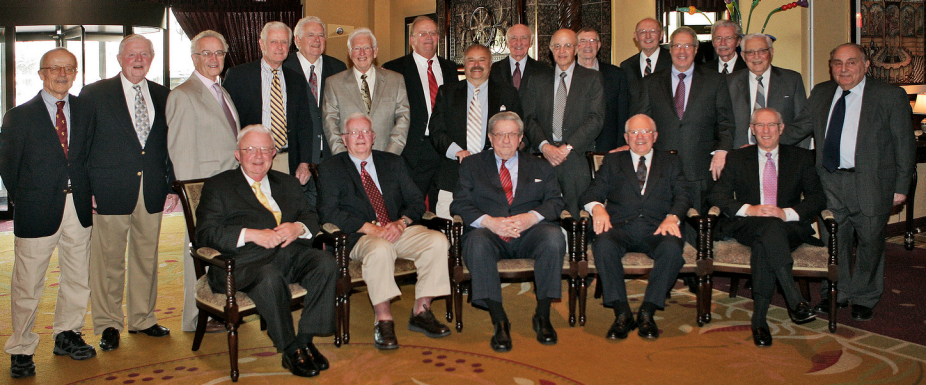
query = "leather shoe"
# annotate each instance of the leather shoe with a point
(692, 283)
(154, 331)
(21, 366)
(299, 364)
(384, 335)
(862, 313)
(110, 339)
(317, 358)
(501, 339)
(802, 313)
(761, 336)
(545, 333)
(622, 326)
(823, 307)
(69, 343)
(647, 325)
(426, 323)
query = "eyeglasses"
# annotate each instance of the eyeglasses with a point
(210, 54)
(253, 150)
(506, 135)
(640, 132)
(57, 69)
(756, 52)
(588, 41)
(682, 46)
(361, 49)
(557, 47)
(648, 32)
(764, 125)
(725, 38)
(143, 55)
(426, 34)
(310, 35)
(356, 134)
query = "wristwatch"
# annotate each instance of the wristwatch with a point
(406, 221)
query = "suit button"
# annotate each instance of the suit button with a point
(65, 191)
(143, 153)
(139, 173)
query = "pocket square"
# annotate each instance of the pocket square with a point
(787, 96)
(502, 108)
(538, 180)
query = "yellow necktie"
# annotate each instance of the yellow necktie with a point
(263, 200)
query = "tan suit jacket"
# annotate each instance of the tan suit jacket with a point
(389, 111)
(199, 139)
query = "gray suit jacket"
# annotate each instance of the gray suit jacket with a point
(199, 139)
(784, 92)
(389, 111)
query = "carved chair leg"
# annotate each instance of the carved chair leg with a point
(458, 304)
(583, 299)
(338, 321)
(233, 349)
(571, 284)
(346, 329)
(449, 303)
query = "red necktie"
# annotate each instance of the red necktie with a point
(505, 177)
(516, 76)
(376, 198)
(313, 83)
(432, 83)
(61, 126)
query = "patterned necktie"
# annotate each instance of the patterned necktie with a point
(769, 182)
(474, 125)
(516, 76)
(277, 112)
(365, 93)
(264, 201)
(559, 107)
(834, 134)
(505, 178)
(376, 198)
(680, 96)
(432, 83)
(142, 126)
(313, 82)
(641, 172)
(228, 114)
(61, 126)
(726, 70)
(760, 94)
(649, 67)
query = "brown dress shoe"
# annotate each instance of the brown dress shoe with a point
(384, 335)
(426, 323)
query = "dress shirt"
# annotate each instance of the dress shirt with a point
(512, 165)
(130, 98)
(753, 84)
(266, 83)
(371, 80)
(635, 160)
(484, 102)
(595, 66)
(653, 59)
(790, 214)
(422, 65)
(53, 110)
(210, 85)
(265, 188)
(371, 169)
(307, 69)
(687, 81)
(850, 125)
(730, 64)
(513, 66)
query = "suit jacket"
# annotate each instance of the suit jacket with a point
(200, 141)
(389, 110)
(501, 72)
(706, 126)
(784, 92)
(616, 183)
(343, 201)
(448, 122)
(739, 64)
(228, 204)
(617, 107)
(117, 160)
(584, 109)
(631, 67)
(885, 146)
(35, 170)
(479, 191)
(330, 66)
(244, 85)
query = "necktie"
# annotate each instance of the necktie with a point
(505, 178)
(680, 96)
(760, 94)
(516, 76)
(834, 134)
(559, 107)
(725, 69)
(61, 126)
(365, 93)
(649, 67)
(228, 114)
(474, 125)
(142, 126)
(769, 181)
(313, 82)
(641, 172)
(432, 83)
(277, 112)
(376, 198)
(263, 201)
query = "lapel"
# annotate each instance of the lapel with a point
(491, 174)
(412, 80)
(247, 196)
(635, 66)
(867, 117)
(378, 91)
(752, 176)
(823, 109)
(390, 190)
(45, 128)
(654, 179)
(504, 67)
(774, 96)
(785, 167)
(694, 93)
(326, 72)
(577, 84)
(630, 172)
(212, 105)
(668, 93)
(119, 107)
(352, 87)
(525, 173)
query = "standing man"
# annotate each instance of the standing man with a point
(564, 116)
(865, 158)
(376, 92)
(130, 176)
(616, 91)
(43, 161)
(203, 124)
(648, 35)
(517, 69)
(725, 36)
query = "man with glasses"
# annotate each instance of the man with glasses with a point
(648, 35)
(616, 91)
(725, 36)
(518, 220)
(518, 68)
(369, 194)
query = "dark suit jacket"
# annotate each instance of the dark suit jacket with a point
(501, 72)
(631, 67)
(479, 191)
(584, 109)
(36, 172)
(784, 92)
(343, 201)
(739, 64)
(448, 122)
(243, 84)
(228, 204)
(616, 183)
(330, 66)
(117, 158)
(617, 107)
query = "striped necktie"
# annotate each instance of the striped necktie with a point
(277, 112)
(474, 125)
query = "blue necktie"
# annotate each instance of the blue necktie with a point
(834, 134)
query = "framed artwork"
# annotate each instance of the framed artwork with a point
(892, 34)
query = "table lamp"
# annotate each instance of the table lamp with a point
(919, 109)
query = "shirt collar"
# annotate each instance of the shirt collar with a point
(128, 85)
(251, 180)
(48, 98)
(765, 75)
(636, 158)
(730, 63)
(522, 61)
(509, 161)
(653, 57)
(357, 160)
(206, 81)
(421, 60)
(568, 71)
(774, 152)
(483, 88)
(305, 61)
(687, 73)
(266, 66)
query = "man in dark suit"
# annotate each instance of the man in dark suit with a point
(43, 163)
(651, 58)
(647, 196)
(764, 211)
(616, 91)
(458, 124)
(313, 67)
(262, 218)
(130, 176)
(370, 196)
(509, 202)
(267, 93)
(725, 36)
(563, 116)
(865, 158)
(517, 69)
(422, 80)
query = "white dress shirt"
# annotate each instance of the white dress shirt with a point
(730, 63)
(371, 80)
(523, 63)
(850, 125)
(130, 98)
(371, 169)
(754, 83)
(653, 59)
(790, 214)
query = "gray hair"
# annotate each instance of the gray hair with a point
(768, 40)
(684, 29)
(259, 128)
(358, 32)
(275, 25)
(135, 36)
(856, 46)
(207, 33)
(300, 26)
(506, 115)
(651, 122)
(411, 29)
(752, 119)
(45, 55)
(726, 23)
(355, 116)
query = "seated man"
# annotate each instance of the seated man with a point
(270, 247)
(643, 216)
(369, 194)
(769, 216)
(510, 202)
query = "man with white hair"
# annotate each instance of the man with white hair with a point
(725, 36)
(518, 68)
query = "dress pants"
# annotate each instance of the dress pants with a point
(574, 178)
(543, 242)
(28, 281)
(427, 248)
(190, 312)
(425, 172)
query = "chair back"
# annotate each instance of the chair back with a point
(190, 191)
(595, 159)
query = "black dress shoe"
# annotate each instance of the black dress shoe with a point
(692, 283)
(761, 336)
(154, 331)
(802, 313)
(110, 339)
(647, 325)
(299, 364)
(501, 339)
(21, 366)
(426, 323)
(862, 313)
(622, 326)
(384, 335)
(317, 358)
(823, 307)
(545, 333)
(69, 343)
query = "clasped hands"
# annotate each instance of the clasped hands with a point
(602, 222)
(555, 155)
(512, 226)
(282, 235)
(766, 211)
(391, 232)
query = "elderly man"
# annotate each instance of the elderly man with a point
(563, 116)
(517, 69)
(725, 36)
(865, 158)
(648, 35)
(517, 220)
(647, 196)
(767, 213)
(262, 218)
(376, 92)
(369, 194)
(616, 91)
(202, 123)
(130, 176)
(274, 96)
(458, 124)
(43, 161)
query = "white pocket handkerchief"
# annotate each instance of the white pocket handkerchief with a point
(538, 180)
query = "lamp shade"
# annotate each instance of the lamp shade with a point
(920, 106)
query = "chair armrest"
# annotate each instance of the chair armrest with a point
(434, 222)
(210, 256)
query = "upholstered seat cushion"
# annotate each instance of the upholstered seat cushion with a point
(641, 260)
(206, 296)
(515, 265)
(403, 267)
(806, 257)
